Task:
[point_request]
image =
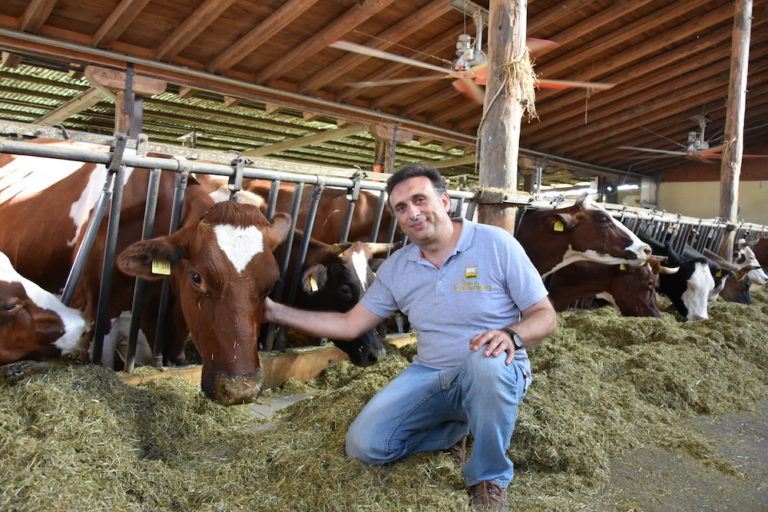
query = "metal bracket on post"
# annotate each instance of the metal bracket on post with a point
(353, 194)
(236, 179)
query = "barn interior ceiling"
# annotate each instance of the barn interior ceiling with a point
(261, 78)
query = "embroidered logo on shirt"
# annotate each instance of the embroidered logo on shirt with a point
(470, 272)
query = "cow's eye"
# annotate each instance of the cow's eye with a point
(196, 278)
(9, 307)
(345, 290)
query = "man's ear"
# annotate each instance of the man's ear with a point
(446, 201)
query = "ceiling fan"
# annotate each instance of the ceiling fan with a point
(695, 148)
(468, 70)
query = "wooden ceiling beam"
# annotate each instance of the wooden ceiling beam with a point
(260, 34)
(665, 68)
(311, 46)
(80, 102)
(36, 14)
(673, 35)
(683, 80)
(119, 19)
(437, 99)
(545, 20)
(612, 128)
(384, 40)
(568, 101)
(624, 9)
(317, 138)
(202, 17)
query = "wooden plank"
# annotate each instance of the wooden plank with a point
(118, 21)
(311, 46)
(302, 364)
(260, 35)
(201, 18)
(36, 15)
(82, 101)
(385, 132)
(10, 60)
(113, 79)
(384, 40)
(316, 138)
(401, 340)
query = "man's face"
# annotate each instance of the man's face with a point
(419, 210)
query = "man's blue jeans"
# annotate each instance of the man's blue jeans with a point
(424, 409)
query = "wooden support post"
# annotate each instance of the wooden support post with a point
(499, 137)
(733, 146)
(386, 139)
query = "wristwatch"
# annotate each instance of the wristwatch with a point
(516, 339)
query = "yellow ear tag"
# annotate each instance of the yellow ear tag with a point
(559, 226)
(161, 267)
(623, 267)
(719, 273)
(313, 284)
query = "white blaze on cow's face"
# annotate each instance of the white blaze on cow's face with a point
(641, 249)
(239, 244)
(74, 323)
(360, 264)
(696, 294)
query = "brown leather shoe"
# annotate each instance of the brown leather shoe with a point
(459, 451)
(489, 497)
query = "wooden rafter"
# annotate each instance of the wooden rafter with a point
(260, 34)
(337, 133)
(193, 26)
(36, 14)
(119, 19)
(82, 101)
(384, 40)
(334, 30)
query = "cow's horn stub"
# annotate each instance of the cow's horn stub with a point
(380, 247)
(339, 247)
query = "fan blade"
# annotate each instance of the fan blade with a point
(563, 84)
(364, 50)
(661, 151)
(470, 89)
(539, 46)
(396, 81)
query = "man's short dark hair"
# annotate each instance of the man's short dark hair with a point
(416, 170)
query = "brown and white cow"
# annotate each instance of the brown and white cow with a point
(631, 289)
(221, 266)
(34, 324)
(584, 231)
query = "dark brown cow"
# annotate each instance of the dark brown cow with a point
(218, 284)
(34, 324)
(631, 289)
(334, 277)
(554, 239)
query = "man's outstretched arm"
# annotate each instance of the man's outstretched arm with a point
(324, 324)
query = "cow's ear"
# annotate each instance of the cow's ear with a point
(278, 230)
(150, 259)
(561, 222)
(314, 279)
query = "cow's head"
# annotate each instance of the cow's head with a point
(689, 288)
(222, 268)
(335, 278)
(635, 288)
(34, 324)
(582, 232)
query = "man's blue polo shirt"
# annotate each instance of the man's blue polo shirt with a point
(484, 284)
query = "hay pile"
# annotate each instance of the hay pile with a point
(78, 439)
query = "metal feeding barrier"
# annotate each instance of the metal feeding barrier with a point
(678, 230)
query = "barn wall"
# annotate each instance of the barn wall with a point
(702, 199)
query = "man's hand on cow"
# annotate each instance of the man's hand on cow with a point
(495, 342)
